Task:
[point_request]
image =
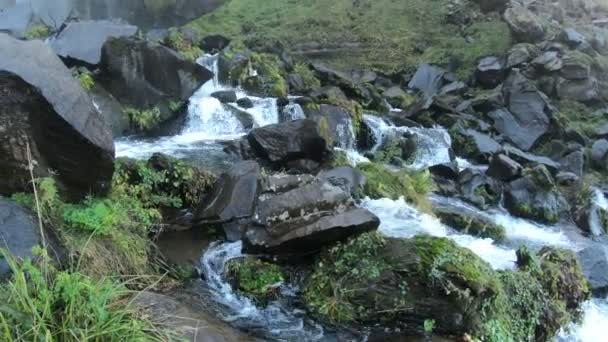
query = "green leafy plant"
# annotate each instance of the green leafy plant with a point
(255, 277)
(41, 303)
(39, 31)
(429, 326)
(86, 80)
(143, 119)
(185, 47)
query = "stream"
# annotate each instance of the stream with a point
(210, 124)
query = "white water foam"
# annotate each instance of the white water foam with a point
(593, 326)
(208, 120)
(599, 202)
(400, 220)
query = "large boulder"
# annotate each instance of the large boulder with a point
(15, 19)
(144, 13)
(535, 197)
(594, 261)
(526, 118)
(302, 220)
(428, 80)
(403, 283)
(43, 105)
(81, 41)
(525, 25)
(232, 199)
(19, 233)
(334, 124)
(504, 168)
(146, 75)
(288, 142)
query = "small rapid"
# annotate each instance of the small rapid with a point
(274, 321)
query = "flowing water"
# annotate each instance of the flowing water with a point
(210, 123)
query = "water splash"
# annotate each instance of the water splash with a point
(599, 203)
(242, 312)
(594, 322)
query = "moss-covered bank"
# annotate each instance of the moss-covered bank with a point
(403, 283)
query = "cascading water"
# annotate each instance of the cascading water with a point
(273, 321)
(599, 203)
(208, 121)
(432, 144)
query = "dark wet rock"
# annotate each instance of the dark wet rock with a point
(476, 145)
(214, 43)
(594, 262)
(160, 14)
(599, 150)
(245, 102)
(334, 124)
(526, 158)
(279, 182)
(478, 188)
(364, 76)
(578, 90)
(349, 179)
(331, 77)
(244, 117)
(110, 109)
(492, 5)
(41, 103)
(566, 178)
(490, 72)
(280, 144)
(525, 25)
(535, 196)
(575, 68)
(232, 200)
(302, 220)
(225, 96)
(526, 118)
(395, 96)
(549, 61)
(504, 168)
(574, 163)
(453, 88)
(20, 233)
(186, 317)
(328, 92)
(571, 37)
(296, 84)
(428, 79)
(81, 41)
(146, 75)
(520, 54)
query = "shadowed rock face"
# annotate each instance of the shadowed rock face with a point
(41, 103)
(146, 13)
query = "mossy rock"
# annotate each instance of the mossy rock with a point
(270, 79)
(470, 224)
(255, 278)
(401, 283)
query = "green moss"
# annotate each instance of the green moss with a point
(255, 278)
(579, 117)
(270, 80)
(463, 145)
(87, 82)
(382, 182)
(340, 159)
(39, 31)
(186, 48)
(409, 33)
(329, 290)
(143, 119)
(309, 78)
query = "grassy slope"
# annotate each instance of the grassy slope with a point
(390, 33)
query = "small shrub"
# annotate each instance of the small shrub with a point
(39, 31)
(186, 48)
(143, 120)
(255, 277)
(309, 78)
(86, 80)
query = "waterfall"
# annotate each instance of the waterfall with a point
(599, 203)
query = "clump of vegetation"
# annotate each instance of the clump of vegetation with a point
(143, 119)
(329, 290)
(40, 302)
(579, 117)
(39, 31)
(385, 281)
(270, 80)
(185, 47)
(309, 78)
(382, 182)
(255, 278)
(87, 82)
